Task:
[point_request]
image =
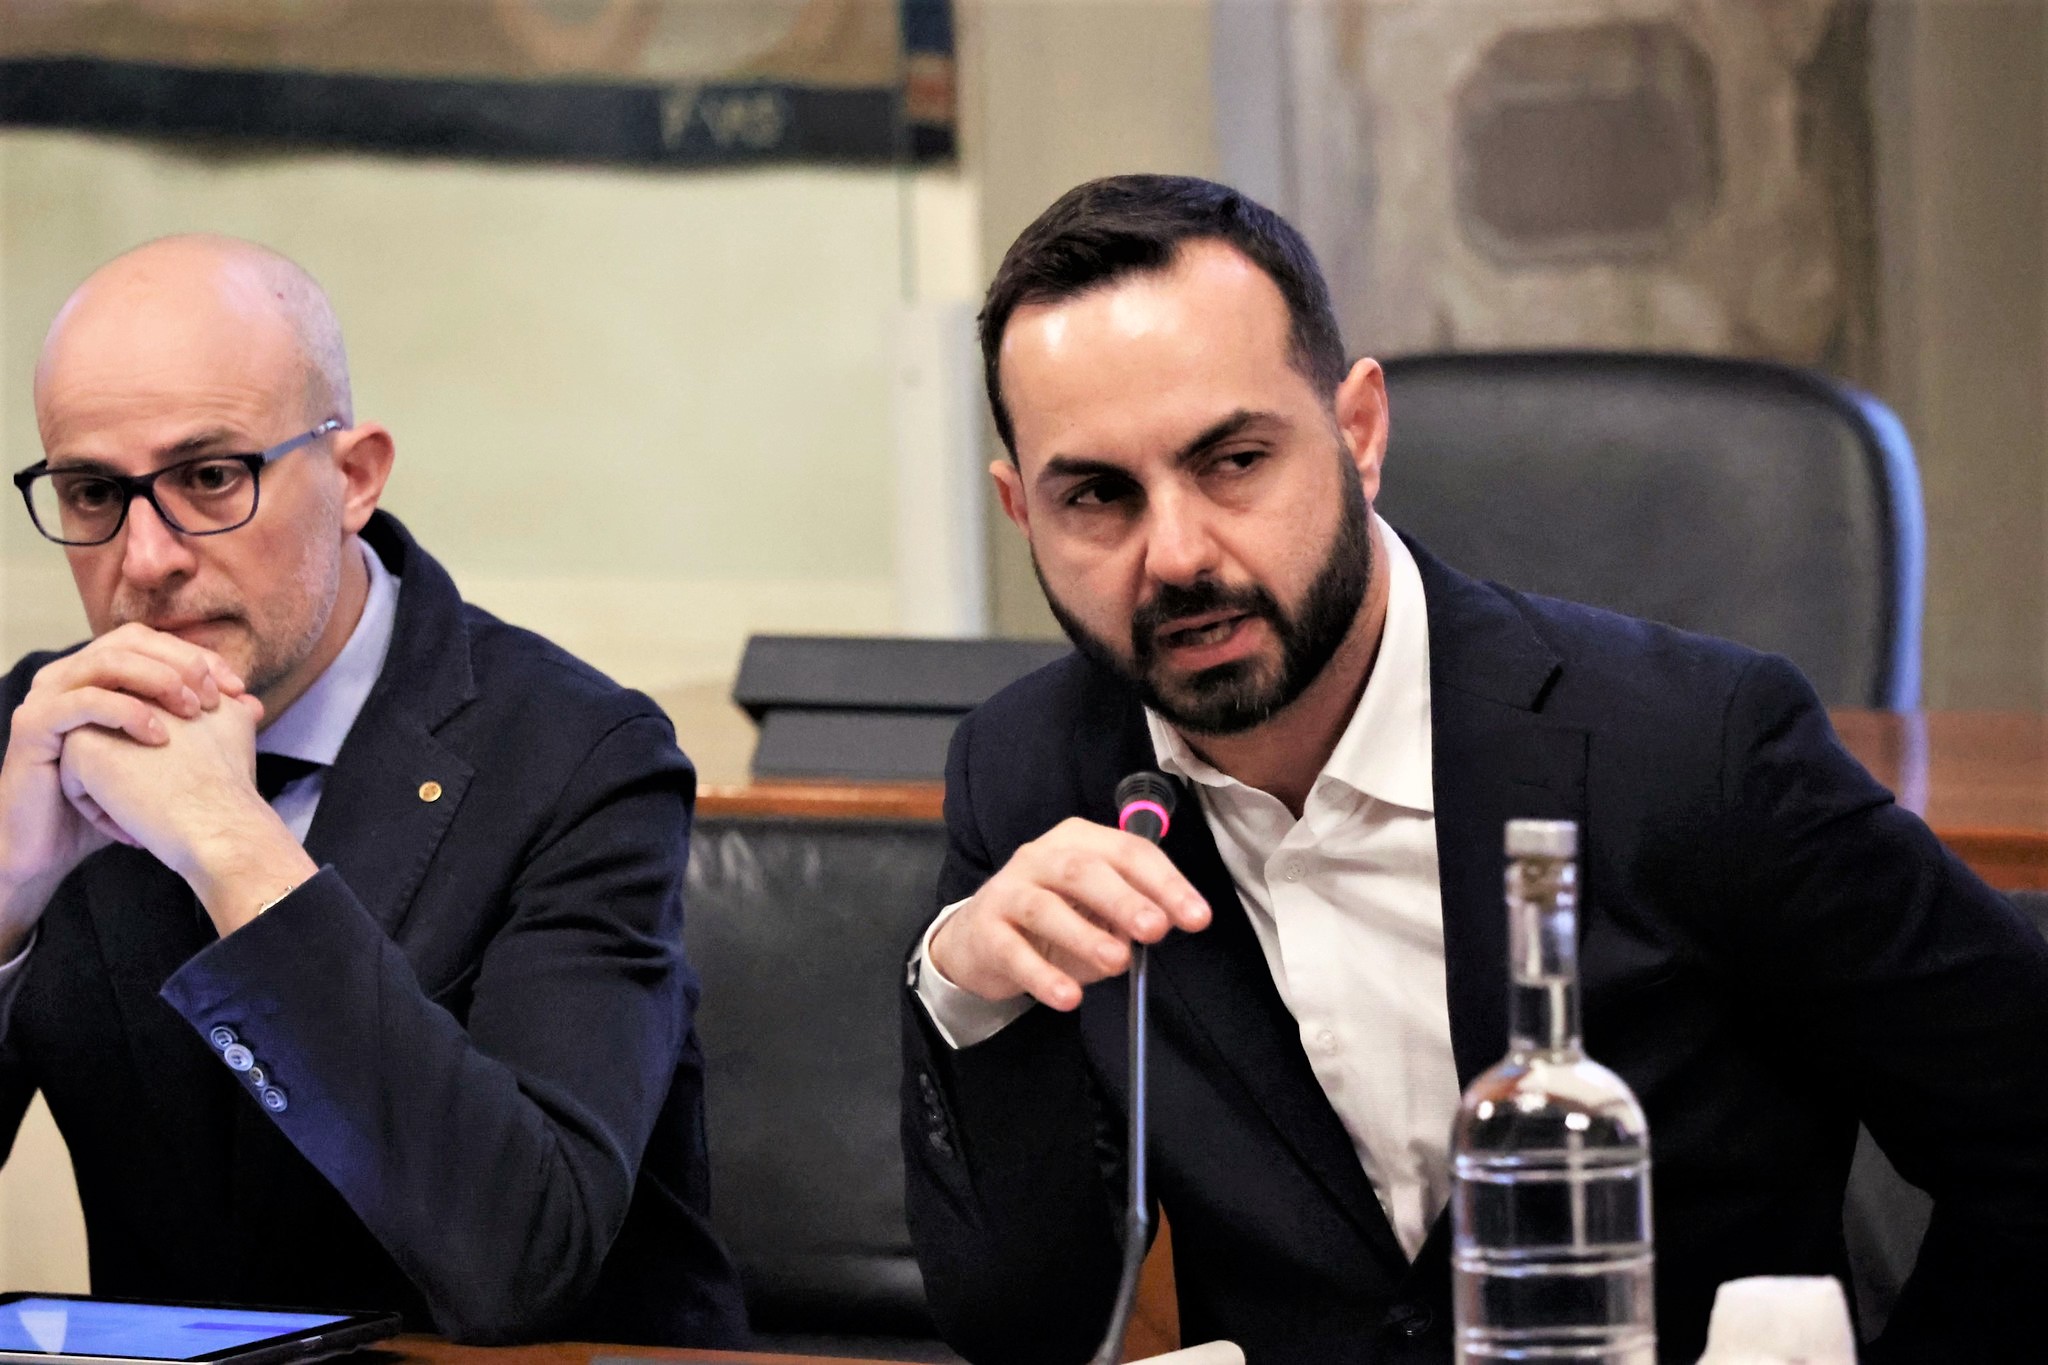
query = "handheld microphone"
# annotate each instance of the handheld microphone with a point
(1144, 804)
(1144, 807)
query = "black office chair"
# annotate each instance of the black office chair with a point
(1748, 500)
(800, 930)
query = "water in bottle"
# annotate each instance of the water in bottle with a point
(1550, 1194)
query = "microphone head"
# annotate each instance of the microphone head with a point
(1146, 791)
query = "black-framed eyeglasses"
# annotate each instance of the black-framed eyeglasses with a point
(88, 505)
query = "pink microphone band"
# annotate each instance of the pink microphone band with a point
(1123, 817)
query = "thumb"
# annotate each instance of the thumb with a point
(254, 706)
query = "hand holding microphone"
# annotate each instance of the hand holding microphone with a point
(1063, 913)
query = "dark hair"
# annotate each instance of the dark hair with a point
(1131, 224)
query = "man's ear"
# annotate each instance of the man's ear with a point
(1010, 489)
(363, 455)
(1361, 409)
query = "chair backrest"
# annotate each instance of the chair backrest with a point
(800, 929)
(1753, 501)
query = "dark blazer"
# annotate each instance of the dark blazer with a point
(478, 1017)
(1771, 949)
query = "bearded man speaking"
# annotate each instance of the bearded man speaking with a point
(1772, 950)
(341, 923)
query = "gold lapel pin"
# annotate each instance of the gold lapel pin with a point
(430, 791)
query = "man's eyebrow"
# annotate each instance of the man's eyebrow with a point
(1211, 436)
(199, 444)
(1079, 467)
(191, 447)
(1219, 431)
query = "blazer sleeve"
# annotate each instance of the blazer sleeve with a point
(1010, 1163)
(17, 1088)
(1913, 988)
(494, 1162)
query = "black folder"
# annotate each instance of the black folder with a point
(881, 709)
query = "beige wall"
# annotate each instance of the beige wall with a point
(1057, 92)
(644, 413)
(42, 1233)
(1961, 107)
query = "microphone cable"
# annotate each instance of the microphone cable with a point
(1144, 807)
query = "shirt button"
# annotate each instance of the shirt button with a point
(222, 1037)
(1294, 872)
(238, 1057)
(274, 1100)
(1327, 1041)
(1411, 1320)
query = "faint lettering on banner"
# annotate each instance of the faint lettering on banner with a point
(672, 83)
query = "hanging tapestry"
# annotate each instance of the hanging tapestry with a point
(646, 82)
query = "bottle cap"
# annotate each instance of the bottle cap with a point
(1780, 1320)
(1543, 839)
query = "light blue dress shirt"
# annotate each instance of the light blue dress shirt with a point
(311, 728)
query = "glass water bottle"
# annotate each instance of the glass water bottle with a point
(1550, 1194)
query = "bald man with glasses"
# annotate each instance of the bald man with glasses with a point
(340, 923)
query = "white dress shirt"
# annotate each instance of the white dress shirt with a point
(1346, 906)
(312, 728)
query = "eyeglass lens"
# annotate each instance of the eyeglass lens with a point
(196, 497)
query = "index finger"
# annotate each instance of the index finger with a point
(1152, 874)
(195, 663)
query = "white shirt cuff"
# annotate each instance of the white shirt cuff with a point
(961, 1017)
(11, 973)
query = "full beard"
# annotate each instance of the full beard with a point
(1243, 694)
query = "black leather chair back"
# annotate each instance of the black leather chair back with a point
(1748, 500)
(800, 929)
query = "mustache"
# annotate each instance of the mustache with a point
(1174, 601)
(150, 608)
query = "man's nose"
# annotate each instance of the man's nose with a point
(1180, 545)
(151, 552)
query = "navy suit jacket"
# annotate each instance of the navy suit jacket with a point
(1771, 950)
(478, 1016)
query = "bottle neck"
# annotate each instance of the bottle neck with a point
(1543, 957)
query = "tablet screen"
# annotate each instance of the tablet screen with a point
(82, 1327)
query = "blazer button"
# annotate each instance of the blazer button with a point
(938, 1143)
(222, 1037)
(274, 1100)
(1411, 1320)
(238, 1057)
(256, 1078)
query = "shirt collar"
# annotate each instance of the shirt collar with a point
(1384, 751)
(314, 726)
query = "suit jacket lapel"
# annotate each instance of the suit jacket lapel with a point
(1495, 758)
(1221, 975)
(394, 787)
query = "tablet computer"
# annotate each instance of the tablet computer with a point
(36, 1329)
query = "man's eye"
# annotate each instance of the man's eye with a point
(211, 478)
(1097, 493)
(1237, 461)
(86, 494)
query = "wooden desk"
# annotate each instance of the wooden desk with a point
(412, 1350)
(1979, 778)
